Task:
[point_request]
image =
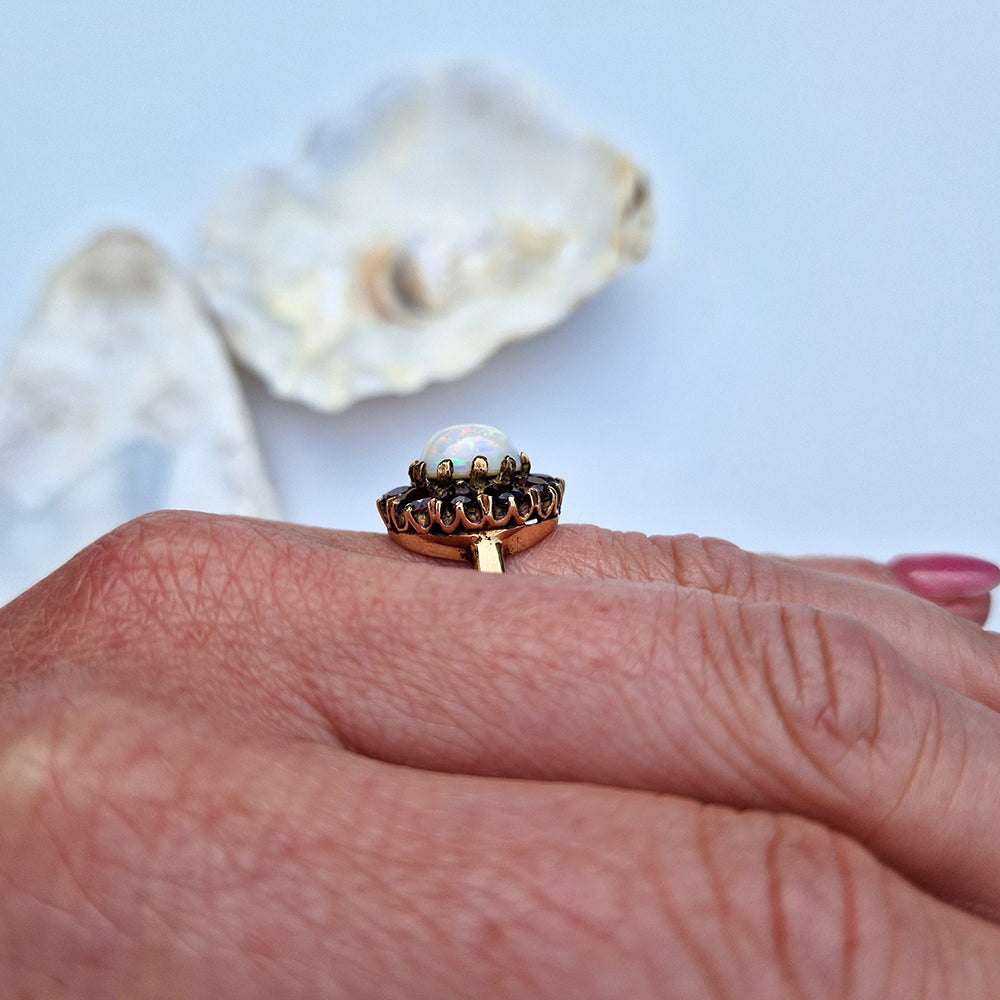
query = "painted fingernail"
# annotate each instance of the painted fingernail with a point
(945, 577)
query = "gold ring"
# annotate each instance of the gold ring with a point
(483, 501)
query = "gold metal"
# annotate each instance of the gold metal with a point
(463, 547)
(481, 520)
(487, 554)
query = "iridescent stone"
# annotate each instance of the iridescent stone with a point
(464, 442)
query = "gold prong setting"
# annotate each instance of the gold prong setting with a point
(437, 502)
(474, 505)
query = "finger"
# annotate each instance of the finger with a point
(955, 652)
(858, 569)
(754, 706)
(974, 609)
(156, 853)
(959, 583)
(637, 685)
(945, 577)
(962, 584)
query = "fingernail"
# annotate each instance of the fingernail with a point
(945, 577)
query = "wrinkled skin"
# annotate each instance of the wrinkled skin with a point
(251, 760)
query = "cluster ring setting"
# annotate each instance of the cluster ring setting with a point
(472, 496)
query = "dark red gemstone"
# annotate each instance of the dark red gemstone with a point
(397, 492)
(503, 501)
(419, 510)
(540, 481)
(473, 511)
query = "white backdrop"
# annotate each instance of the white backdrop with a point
(809, 360)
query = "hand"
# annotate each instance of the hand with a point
(242, 759)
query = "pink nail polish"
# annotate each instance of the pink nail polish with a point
(945, 577)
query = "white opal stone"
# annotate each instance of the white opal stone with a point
(462, 443)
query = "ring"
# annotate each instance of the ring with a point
(483, 501)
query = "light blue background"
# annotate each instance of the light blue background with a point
(809, 360)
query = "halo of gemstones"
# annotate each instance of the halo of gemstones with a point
(481, 500)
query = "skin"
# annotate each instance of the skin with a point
(244, 759)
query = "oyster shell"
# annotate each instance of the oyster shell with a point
(117, 399)
(452, 212)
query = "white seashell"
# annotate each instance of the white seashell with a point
(451, 213)
(118, 399)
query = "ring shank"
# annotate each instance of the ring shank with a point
(485, 549)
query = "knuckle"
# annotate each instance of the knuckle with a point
(89, 798)
(145, 593)
(51, 762)
(112, 591)
(804, 695)
(825, 676)
(156, 552)
(832, 927)
(791, 908)
(127, 563)
(618, 552)
(691, 561)
(163, 567)
(711, 564)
